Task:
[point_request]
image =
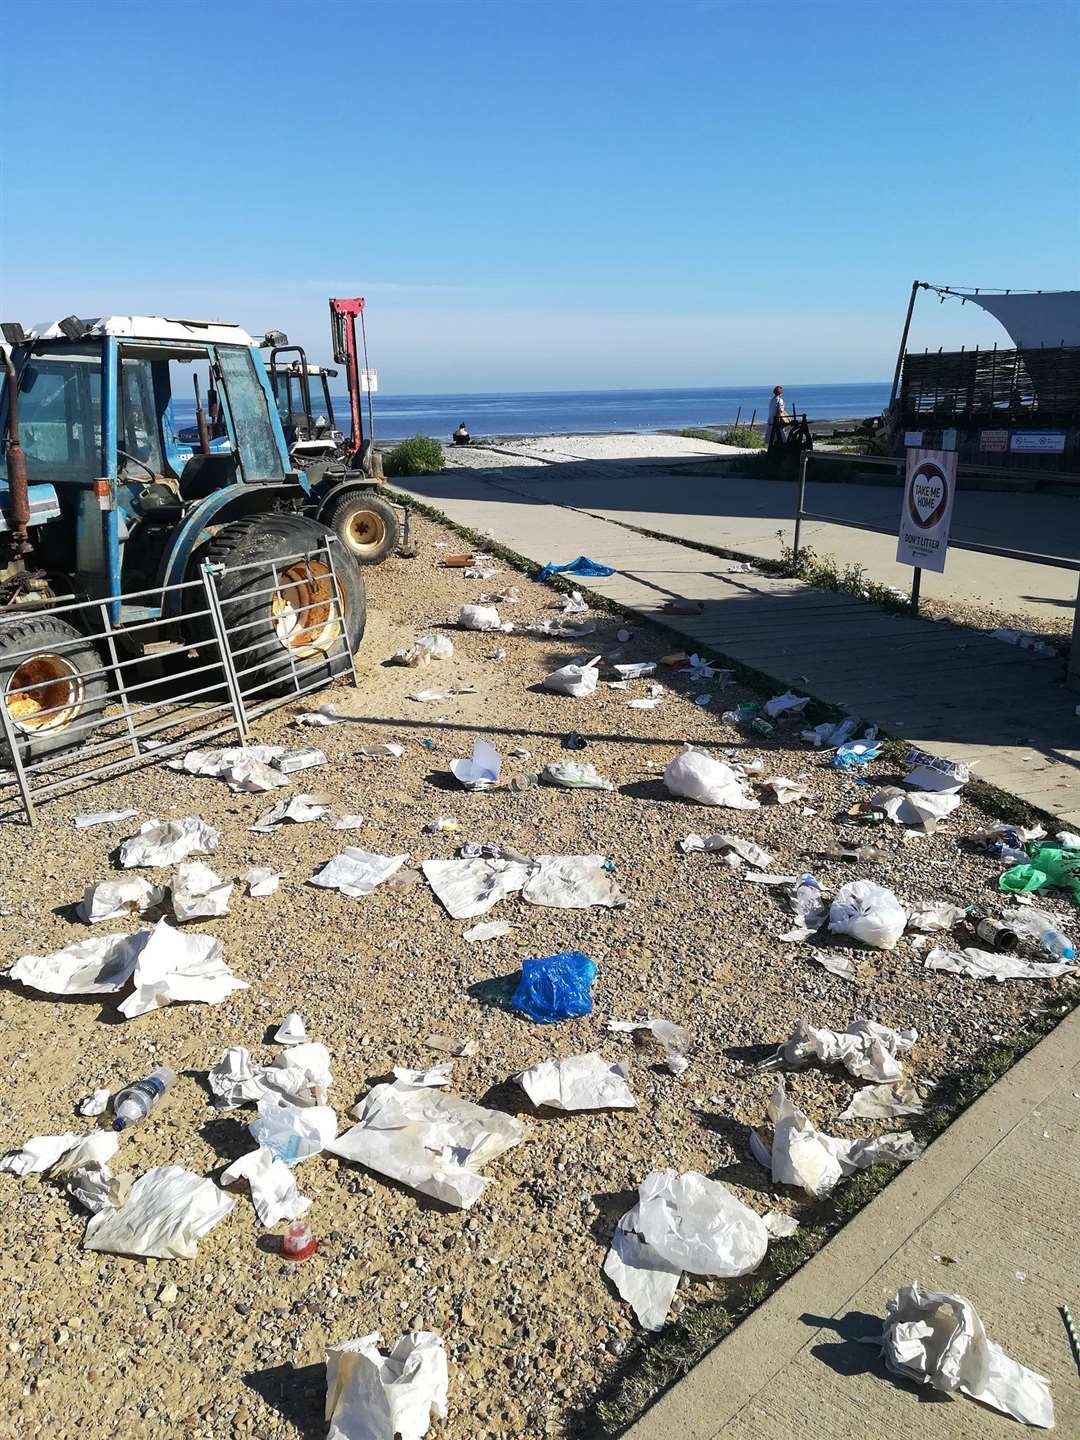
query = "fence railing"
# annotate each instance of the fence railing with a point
(1005, 552)
(84, 699)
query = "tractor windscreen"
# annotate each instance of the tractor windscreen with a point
(250, 410)
(60, 416)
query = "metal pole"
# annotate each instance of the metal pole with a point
(16, 761)
(118, 670)
(1072, 668)
(916, 585)
(916, 285)
(217, 621)
(804, 460)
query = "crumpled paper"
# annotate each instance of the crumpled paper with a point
(96, 1103)
(175, 968)
(274, 1191)
(866, 1049)
(261, 881)
(371, 1396)
(40, 1152)
(936, 915)
(299, 809)
(431, 1140)
(990, 965)
(580, 1082)
(167, 842)
(786, 704)
(357, 872)
(198, 893)
(97, 966)
(293, 1132)
(235, 1080)
(937, 1339)
(884, 1102)
(786, 791)
(119, 898)
(301, 1074)
(246, 769)
(694, 775)
(488, 930)
(166, 1212)
(802, 1155)
(681, 1222)
(577, 681)
(868, 912)
(434, 1077)
(572, 882)
(481, 771)
(924, 809)
(84, 1171)
(723, 841)
(467, 888)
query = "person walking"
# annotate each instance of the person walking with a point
(778, 418)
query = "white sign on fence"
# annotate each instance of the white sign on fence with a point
(926, 513)
(1040, 442)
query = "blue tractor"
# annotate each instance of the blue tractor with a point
(100, 497)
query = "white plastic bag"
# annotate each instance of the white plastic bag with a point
(865, 1049)
(580, 1082)
(693, 775)
(574, 775)
(481, 617)
(274, 1191)
(166, 1212)
(97, 966)
(699, 1224)
(293, 1132)
(868, 912)
(118, 898)
(371, 1396)
(167, 842)
(577, 681)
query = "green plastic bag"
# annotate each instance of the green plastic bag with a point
(1049, 868)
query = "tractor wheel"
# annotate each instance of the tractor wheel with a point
(366, 524)
(52, 683)
(279, 611)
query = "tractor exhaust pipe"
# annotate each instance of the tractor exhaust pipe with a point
(16, 465)
(200, 420)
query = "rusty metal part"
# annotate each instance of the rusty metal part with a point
(16, 466)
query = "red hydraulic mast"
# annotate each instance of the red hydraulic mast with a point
(343, 315)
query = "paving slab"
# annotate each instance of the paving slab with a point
(950, 690)
(989, 1211)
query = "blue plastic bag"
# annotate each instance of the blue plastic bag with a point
(856, 752)
(582, 569)
(555, 987)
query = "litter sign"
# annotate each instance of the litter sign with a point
(926, 513)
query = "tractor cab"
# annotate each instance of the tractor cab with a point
(304, 405)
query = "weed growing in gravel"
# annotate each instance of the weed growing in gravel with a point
(824, 572)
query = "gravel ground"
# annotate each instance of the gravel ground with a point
(515, 1285)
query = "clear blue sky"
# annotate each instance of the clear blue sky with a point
(546, 195)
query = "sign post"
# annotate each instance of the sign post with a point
(926, 512)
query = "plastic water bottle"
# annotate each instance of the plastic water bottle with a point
(136, 1101)
(1040, 927)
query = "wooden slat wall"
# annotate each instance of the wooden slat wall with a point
(993, 385)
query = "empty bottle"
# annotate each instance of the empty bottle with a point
(862, 854)
(994, 933)
(1040, 927)
(136, 1101)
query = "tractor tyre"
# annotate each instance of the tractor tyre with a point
(278, 610)
(366, 524)
(53, 686)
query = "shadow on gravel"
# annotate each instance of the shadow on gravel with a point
(297, 1394)
(496, 992)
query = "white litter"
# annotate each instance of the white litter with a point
(292, 1030)
(274, 1191)
(923, 809)
(868, 912)
(830, 734)
(293, 1132)
(357, 872)
(681, 1222)
(371, 1396)
(674, 1040)
(865, 1049)
(261, 881)
(1068, 840)
(175, 968)
(693, 775)
(301, 1073)
(426, 697)
(317, 718)
(198, 893)
(991, 965)
(96, 1103)
(577, 681)
(927, 778)
(779, 1226)
(649, 702)
(431, 1140)
(120, 898)
(439, 647)
(835, 964)
(801, 1155)
(482, 770)
(810, 908)
(299, 809)
(166, 1212)
(349, 822)
(167, 842)
(481, 617)
(574, 775)
(40, 1152)
(744, 849)
(388, 749)
(940, 915)
(580, 1082)
(103, 817)
(572, 882)
(786, 790)
(447, 1045)
(235, 1080)
(467, 888)
(245, 768)
(786, 704)
(634, 669)
(97, 966)
(885, 1102)
(489, 930)
(433, 1078)
(938, 1339)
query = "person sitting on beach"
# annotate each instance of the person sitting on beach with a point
(778, 418)
(461, 435)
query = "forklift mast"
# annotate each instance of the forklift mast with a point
(343, 315)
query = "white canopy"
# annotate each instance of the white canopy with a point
(1047, 317)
